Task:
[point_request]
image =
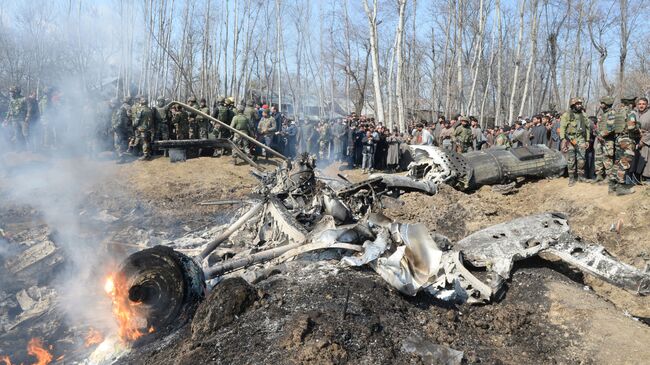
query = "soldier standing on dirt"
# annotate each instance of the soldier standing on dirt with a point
(604, 142)
(267, 129)
(120, 124)
(241, 123)
(627, 132)
(574, 134)
(17, 118)
(143, 124)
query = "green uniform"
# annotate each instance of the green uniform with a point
(192, 122)
(627, 131)
(251, 114)
(241, 123)
(17, 117)
(204, 123)
(463, 138)
(604, 144)
(143, 125)
(180, 125)
(574, 128)
(161, 123)
(120, 122)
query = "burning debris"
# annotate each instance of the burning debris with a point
(297, 211)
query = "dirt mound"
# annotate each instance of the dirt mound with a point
(320, 313)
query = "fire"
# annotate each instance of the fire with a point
(35, 348)
(94, 337)
(130, 324)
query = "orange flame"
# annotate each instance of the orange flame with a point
(130, 324)
(5, 359)
(94, 337)
(35, 348)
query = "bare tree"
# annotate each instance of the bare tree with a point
(371, 14)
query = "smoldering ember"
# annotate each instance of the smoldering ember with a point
(290, 182)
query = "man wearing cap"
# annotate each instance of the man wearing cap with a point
(267, 129)
(574, 134)
(604, 142)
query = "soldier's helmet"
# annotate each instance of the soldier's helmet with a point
(240, 108)
(161, 98)
(249, 102)
(607, 100)
(463, 119)
(203, 100)
(126, 99)
(230, 100)
(15, 89)
(575, 100)
(221, 99)
(628, 98)
(143, 100)
(191, 99)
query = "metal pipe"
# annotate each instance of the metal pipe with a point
(212, 245)
(244, 135)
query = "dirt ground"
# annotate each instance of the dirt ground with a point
(324, 314)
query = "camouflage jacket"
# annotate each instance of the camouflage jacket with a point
(144, 119)
(251, 113)
(17, 111)
(267, 125)
(241, 123)
(225, 114)
(463, 135)
(121, 120)
(574, 126)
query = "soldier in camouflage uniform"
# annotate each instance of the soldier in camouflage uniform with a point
(143, 125)
(324, 141)
(17, 118)
(250, 112)
(180, 123)
(267, 129)
(241, 123)
(463, 136)
(120, 124)
(203, 122)
(574, 134)
(161, 120)
(604, 142)
(192, 121)
(627, 132)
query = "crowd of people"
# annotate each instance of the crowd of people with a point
(611, 146)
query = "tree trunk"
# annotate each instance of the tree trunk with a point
(374, 53)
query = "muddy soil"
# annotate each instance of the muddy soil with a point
(323, 313)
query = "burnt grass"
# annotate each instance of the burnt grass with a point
(321, 313)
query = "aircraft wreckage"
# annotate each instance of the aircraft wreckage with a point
(296, 210)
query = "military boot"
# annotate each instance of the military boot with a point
(611, 188)
(600, 179)
(624, 190)
(572, 180)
